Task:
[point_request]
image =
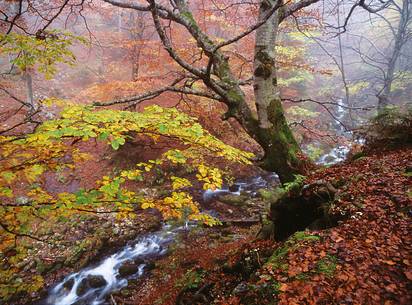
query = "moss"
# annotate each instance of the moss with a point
(189, 16)
(234, 95)
(303, 235)
(191, 279)
(327, 265)
(304, 276)
(277, 260)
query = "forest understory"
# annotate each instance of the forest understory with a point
(200, 152)
(364, 259)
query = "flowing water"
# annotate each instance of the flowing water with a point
(92, 285)
(248, 186)
(339, 153)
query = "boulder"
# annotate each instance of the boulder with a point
(68, 285)
(129, 268)
(91, 281)
(235, 200)
(96, 281)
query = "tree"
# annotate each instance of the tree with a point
(383, 49)
(401, 35)
(268, 126)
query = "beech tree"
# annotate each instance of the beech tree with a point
(267, 125)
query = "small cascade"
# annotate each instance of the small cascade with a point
(339, 153)
(91, 286)
(248, 186)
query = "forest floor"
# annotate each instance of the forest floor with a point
(364, 259)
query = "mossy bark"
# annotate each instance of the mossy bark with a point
(268, 126)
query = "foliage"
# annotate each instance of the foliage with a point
(48, 149)
(42, 53)
(26, 159)
(297, 111)
(314, 152)
(294, 185)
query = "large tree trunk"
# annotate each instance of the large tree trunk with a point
(282, 152)
(269, 127)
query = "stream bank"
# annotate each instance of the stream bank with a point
(364, 259)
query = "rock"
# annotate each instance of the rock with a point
(91, 281)
(241, 288)
(235, 200)
(68, 285)
(234, 188)
(96, 281)
(150, 266)
(129, 268)
(82, 287)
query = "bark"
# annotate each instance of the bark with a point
(281, 149)
(29, 89)
(401, 37)
(268, 126)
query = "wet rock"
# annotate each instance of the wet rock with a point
(82, 287)
(235, 200)
(92, 281)
(150, 266)
(68, 285)
(96, 281)
(234, 188)
(129, 268)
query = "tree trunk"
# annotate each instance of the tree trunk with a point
(282, 152)
(29, 89)
(269, 127)
(400, 38)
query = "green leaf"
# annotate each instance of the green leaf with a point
(117, 142)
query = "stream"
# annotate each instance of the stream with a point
(93, 285)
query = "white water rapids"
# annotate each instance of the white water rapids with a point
(92, 285)
(70, 290)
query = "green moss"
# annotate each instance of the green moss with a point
(304, 276)
(234, 95)
(189, 16)
(327, 265)
(277, 260)
(303, 235)
(191, 279)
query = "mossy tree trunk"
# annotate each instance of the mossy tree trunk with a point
(282, 152)
(268, 126)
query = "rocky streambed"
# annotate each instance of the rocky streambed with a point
(94, 284)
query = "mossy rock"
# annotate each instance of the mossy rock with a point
(234, 200)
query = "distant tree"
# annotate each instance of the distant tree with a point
(383, 47)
